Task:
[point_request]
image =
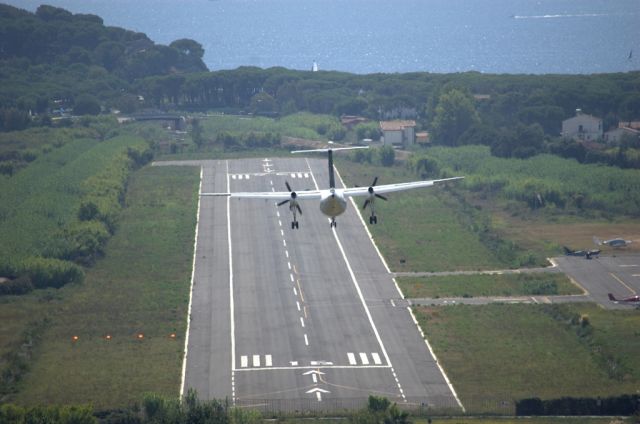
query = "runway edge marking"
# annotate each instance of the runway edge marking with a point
(375, 246)
(384, 262)
(231, 305)
(433, 354)
(193, 273)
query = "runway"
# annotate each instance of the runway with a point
(297, 319)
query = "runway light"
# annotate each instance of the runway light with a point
(140, 336)
(107, 337)
(75, 338)
(172, 335)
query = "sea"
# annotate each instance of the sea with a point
(389, 36)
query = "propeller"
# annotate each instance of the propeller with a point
(293, 201)
(372, 194)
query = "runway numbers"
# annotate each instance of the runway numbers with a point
(255, 361)
(364, 359)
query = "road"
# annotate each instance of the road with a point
(297, 319)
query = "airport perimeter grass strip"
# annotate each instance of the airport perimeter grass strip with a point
(534, 284)
(129, 315)
(497, 354)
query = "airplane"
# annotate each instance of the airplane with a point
(586, 253)
(631, 299)
(614, 242)
(333, 201)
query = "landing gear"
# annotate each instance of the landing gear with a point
(334, 224)
(294, 225)
(373, 219)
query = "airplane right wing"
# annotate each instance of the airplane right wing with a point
(388, 188)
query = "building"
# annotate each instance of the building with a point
(628, 130)
(582, 127)
(398, 133)
(422, 137)
(350, 121)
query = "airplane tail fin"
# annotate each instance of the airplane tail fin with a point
(332, 179)
(567, 251)
(612, 298)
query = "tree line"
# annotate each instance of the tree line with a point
(53, 59)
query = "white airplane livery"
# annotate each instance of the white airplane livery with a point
(333, 201)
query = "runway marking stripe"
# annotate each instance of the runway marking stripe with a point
(364, 358)
(622, 282)
(231, 304)
(193, 273)
(298, 305)
(256, 360)
(306, 340)
(244, 361)
(384, 262)
(316, 367)
(302, 321)
(352, 358)
(376, 358)
(268, 360)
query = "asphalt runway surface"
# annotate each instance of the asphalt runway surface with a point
(297, 319)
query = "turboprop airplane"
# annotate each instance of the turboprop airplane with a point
(333, 201)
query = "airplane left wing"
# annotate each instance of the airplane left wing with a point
(270, 195)
(388, 188)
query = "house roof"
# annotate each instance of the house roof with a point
(397, 125)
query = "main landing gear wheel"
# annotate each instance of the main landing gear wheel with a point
(295, 225)
(334, 224)
(373, 219)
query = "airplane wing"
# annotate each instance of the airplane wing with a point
(270, 195)
(388, 188)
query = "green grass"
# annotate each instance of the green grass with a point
(141, 285)
(418, 230)
(519, 420)
(487, 285)
(44, 198)
(500, 353)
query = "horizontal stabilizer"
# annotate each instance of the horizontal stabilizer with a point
(334, 149)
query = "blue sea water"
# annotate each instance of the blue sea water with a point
(369, 36)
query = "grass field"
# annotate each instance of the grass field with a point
(487, 285)
(499, 353)
(141, 286)
(418, 231)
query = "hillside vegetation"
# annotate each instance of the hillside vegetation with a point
(543, 181)
(60, 210)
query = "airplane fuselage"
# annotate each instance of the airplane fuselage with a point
(332, 202)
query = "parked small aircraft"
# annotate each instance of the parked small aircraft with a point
(630, 299)
(333, 200)
(586, 253)
(614, 242)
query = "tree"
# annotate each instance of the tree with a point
(86, 104)
(387, 155)
(188, 47)
(454, 114)
(196, 132)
